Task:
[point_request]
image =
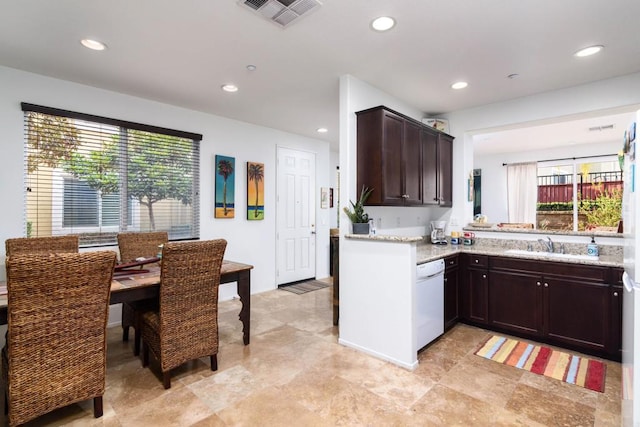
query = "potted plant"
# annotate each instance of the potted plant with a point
(359, 219)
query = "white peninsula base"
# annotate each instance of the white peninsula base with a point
(377, 297)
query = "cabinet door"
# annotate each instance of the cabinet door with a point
(576, 313)
(615, 340)
(429, 167)
(445, 163)
(412, 164)
(515, 302)
(392, 168)
(477, 298)
(451, 294)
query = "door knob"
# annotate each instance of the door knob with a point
(546, 285)
(538, 283)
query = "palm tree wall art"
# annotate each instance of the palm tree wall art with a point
(225, 187)
(255, 191)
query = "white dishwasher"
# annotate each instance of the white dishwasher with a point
(429, 301)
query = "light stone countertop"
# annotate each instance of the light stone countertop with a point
(495, 229)
(385, 238)
(610, 256)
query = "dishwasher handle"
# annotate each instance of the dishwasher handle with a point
(430, 269)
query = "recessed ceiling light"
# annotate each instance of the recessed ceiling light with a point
(251, 67)
(229, 88)
(588, 51)
(383, 23)
(459, 85)
(322, 130)
(93, 44)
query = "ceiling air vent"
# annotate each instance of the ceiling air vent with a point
(281, 12)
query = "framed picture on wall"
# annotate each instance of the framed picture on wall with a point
(324, 198)
(225, 187)
(255, 191)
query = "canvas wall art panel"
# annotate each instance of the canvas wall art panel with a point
(324, 198)
(225, 187)
(255, 191)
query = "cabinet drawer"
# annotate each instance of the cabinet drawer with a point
(578, 271)
(616, 276)
(509, 263)
(451, 262)
(477, 260)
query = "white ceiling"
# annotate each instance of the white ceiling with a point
(591, 130)
(181, 52)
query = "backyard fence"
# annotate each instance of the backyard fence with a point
(559, 188)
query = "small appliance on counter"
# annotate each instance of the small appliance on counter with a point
(437, 232)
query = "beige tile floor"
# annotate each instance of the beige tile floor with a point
(295, 374)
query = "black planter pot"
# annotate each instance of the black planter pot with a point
(360, 228)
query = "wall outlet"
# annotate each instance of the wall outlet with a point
(398, 221)
(379, 223)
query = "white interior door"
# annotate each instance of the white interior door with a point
(295, 213)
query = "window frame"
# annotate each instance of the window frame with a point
(575, 163)
(58, 176)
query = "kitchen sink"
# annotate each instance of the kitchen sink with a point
(555, 255)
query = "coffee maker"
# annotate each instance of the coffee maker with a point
(437, 232)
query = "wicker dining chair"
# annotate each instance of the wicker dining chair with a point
(132, 246)
(42, 245)
(186, 325)
(55, 353)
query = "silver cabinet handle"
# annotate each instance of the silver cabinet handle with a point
(615, 294)
(445, 280)
(476, 261)
(546, 285)
(484, 276)
(538, 283)
(405, 196)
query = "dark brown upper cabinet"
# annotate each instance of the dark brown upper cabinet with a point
(395, 160)
(437, 158)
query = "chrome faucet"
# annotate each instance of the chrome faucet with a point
(548, 245)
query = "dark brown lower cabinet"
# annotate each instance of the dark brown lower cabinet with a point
(515, 302)
(577, 313)
(451, 292)
(569, 305)
(475, 291)
(617, 294)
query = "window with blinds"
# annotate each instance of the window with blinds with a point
(95, 176)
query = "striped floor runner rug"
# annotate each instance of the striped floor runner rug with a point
(582, 371)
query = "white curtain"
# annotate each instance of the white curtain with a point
(522, 192)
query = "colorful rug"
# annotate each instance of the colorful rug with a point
(587, 373)
(304, 287)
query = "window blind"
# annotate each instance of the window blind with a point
(95, 176)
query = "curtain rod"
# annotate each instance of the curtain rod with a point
(565, 158)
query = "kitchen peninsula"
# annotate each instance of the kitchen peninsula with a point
(498, 284)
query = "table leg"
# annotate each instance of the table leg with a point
(244, 292)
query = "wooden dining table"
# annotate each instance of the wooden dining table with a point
(135, 285)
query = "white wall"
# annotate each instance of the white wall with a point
(334, 165)
(603, 95)
(251, 242)
(494, 174)
(356, 95)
